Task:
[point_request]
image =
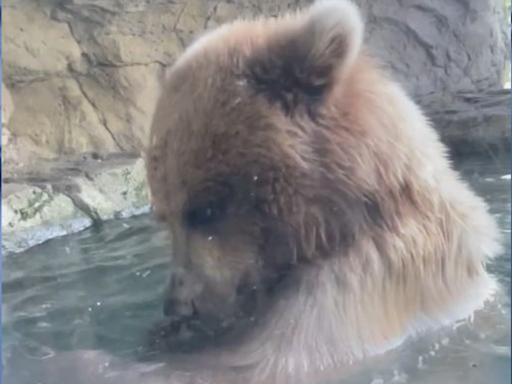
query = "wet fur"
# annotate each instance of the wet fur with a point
(378, 236)
(381, 238)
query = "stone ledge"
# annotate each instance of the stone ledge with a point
(474, 124)
(64, 197)
(31, 215)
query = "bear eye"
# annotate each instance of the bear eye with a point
(208, 206)
(205, 216)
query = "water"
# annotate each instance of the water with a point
(101, 289)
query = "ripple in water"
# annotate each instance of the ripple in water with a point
(101, 289)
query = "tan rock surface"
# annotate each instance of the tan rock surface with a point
(7, 106)
(84, 74)
(55, 115)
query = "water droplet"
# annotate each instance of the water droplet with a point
(399, 377)
(146, 274)
(420, 362)
(210, 238)
(98, 303)
(505, 177)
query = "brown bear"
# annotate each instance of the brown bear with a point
(315, 218)
(306, 192)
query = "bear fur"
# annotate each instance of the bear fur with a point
(283, 159)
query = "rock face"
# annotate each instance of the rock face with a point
(7, 109)
(439, 48)
(84, 74)
(476, 124)
(7, 105)
(66, 196)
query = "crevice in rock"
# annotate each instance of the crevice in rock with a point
(175, 29)
(180, 39)
(65, 190)
(86, 209)
(132, 64)
(212, 13)
(69, 190)
(99, 113)
(19, 81)
(180, 14)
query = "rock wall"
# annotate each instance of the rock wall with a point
(84, 74)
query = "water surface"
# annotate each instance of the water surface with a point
(101, 289)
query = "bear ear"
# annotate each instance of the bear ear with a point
(304, 58)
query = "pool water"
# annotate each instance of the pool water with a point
(102, 289)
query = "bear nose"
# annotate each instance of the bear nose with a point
(178, 308)
(182, 290)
